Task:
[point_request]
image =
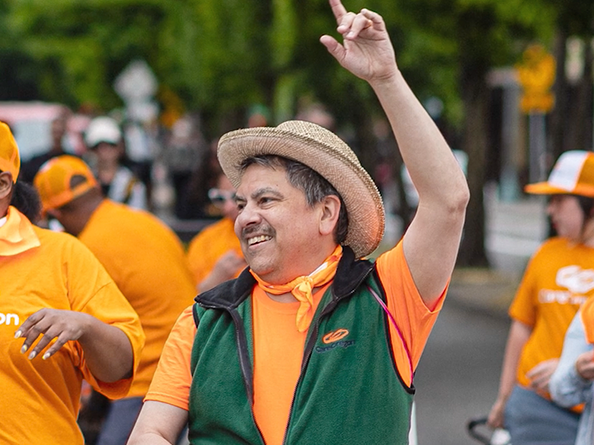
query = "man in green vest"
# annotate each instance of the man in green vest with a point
(312, 344)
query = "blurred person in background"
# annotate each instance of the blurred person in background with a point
(143, 256)
(258, 115)
(557, 281)
(64, 320)
(142, 143)
(104, 141)
(58, 132)
(318, 114)
(214, 255)
(571, 383)
(183, 151)
(196, 204)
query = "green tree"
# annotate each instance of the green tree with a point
(485, 34)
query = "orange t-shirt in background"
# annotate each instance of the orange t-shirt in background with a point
(557, 281)
(147, 261)
(209, 245)
(275, 335)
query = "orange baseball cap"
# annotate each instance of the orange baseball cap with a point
(10, 160)
(61, 179)
(573, 174)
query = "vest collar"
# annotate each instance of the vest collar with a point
(349, 275)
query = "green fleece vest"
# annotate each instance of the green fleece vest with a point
(349, 391)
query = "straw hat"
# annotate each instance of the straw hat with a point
(327, 154)
(573, 173)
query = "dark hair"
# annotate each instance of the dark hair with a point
(311, 183)
(586, 204)
(26, 200)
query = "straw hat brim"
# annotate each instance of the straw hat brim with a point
(323, 152)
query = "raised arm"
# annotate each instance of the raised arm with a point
(432, 240)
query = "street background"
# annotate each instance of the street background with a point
(458, 376)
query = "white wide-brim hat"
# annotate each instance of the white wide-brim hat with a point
(327, 154)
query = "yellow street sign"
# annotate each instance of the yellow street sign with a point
(536, 74)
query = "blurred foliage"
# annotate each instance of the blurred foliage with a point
(222, 56)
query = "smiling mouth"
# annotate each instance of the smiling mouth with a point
(258, 239)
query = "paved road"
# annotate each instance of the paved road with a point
(458, 375)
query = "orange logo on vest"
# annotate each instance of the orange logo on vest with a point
(336, 335)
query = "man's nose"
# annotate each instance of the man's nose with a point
(248, 215)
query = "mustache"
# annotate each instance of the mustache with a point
(260, 229)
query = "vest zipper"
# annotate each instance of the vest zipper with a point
(245, 363)
(309, 348)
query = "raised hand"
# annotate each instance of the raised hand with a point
(540, 375)
(226, 267)
(228, 264)
(585, 365)
(366, 51)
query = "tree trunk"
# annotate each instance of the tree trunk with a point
(474, 141)
(557, 118)
(582, 123)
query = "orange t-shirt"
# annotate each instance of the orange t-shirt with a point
(274, 328)
(209, 245)
(41, 397)
(147, 261)
(557, 281)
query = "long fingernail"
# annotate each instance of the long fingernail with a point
(17, 334)
(24, 349)
(46, 356)
(32, 355)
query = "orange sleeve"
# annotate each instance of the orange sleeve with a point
(173, 377)
(413, 318)
(199, 259)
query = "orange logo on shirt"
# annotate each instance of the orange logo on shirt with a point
(336, 335)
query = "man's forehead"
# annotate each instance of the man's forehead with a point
(264, 173)
(263, 179)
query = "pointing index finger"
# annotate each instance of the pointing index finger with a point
(338, 9)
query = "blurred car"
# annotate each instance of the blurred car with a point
(31, 125)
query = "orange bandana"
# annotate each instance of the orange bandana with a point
(17, 234)
(301, 287)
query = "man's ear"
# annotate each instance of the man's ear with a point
(6, 184)
(330, 211)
